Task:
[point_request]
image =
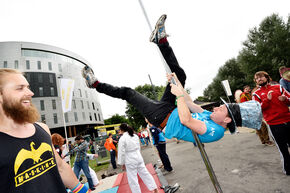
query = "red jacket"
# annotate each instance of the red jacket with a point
(109, 144)
(275, 112)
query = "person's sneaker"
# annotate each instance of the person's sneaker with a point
(88, 74)
(269, 143)
(165, 172)
(159, 31)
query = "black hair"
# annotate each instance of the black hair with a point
(126, 128)
(110, 134)
(79, 137)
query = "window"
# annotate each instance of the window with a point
(82, 104)
(76, 116)
(99, 117)
(16, 64)
(39, 65)
(59, 68)
(40, 91)
(84, 116)
(55, 118)
(43, 119)
(50, 78)
(27, 75)
(66, 117)
(5, 64)
(93, 106)
(27, 64)
(80, 91)
(53, 104)
(49, 66)
(91, 117)
(42, 105)
(88, 104)
(40, 78)
(74, 104)
(52, 91)
(95, 116)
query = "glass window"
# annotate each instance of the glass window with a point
(55, 118)
(39, 65)
(66, 117)
(93, 106)
(40, 91)
(91, 117)
(40, 78)
(80, 91)
(16, 64)
(43, 119)
(53, 104)
(49, 66)
(27, 64)
(52, 91)
(27, 76)
(99, 117)
(42, 105)
(50, 78)
(88, 104)
(59, 68)
(5, 64)
(84, 116)
(76, 116)
(82, 104)
(74, 104)
(95, 116)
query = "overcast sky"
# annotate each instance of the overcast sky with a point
(113, 35)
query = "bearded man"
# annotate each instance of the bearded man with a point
(274, 101)
(28, 161)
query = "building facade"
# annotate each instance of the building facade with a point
(44, 66)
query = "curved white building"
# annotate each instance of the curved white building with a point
(44, 65)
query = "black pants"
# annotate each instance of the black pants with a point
(164, 157)
(154, 111)
(281, 135)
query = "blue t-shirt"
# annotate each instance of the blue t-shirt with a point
(175, 129)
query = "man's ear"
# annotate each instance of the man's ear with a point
(227, 120)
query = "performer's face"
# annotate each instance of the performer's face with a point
(220, 114)
(261, 80)
(15, 100)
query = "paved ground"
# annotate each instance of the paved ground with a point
(241, 163)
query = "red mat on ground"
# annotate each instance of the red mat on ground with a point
(122, 182)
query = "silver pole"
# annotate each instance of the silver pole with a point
(199, 145)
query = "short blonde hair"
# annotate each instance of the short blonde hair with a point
(5, 72)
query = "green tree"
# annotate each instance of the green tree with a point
(115, 119)
(267, 48)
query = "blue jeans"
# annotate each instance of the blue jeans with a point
(84, 165)
(113, 158)
(154, 111)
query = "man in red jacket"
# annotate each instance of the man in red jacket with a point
(274, 101)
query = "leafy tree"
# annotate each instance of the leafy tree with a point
(115, 119)
(267, 48)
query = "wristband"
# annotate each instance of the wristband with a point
(178, 98)
(80, 188)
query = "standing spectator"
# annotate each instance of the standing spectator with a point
(81, 161)
(130, 158)
(246, 95)
(109, 145)
(274, 101)
(57, 141)
(285, 77)
(28, 160)
(160, 143)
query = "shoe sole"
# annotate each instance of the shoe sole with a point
(155, 31)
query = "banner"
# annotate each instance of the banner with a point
(67, 87)
(227, 88)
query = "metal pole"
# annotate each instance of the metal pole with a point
(199, 145)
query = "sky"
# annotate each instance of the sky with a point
(113, 36)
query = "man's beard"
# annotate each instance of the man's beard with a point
(263, 83)
(19, 113)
